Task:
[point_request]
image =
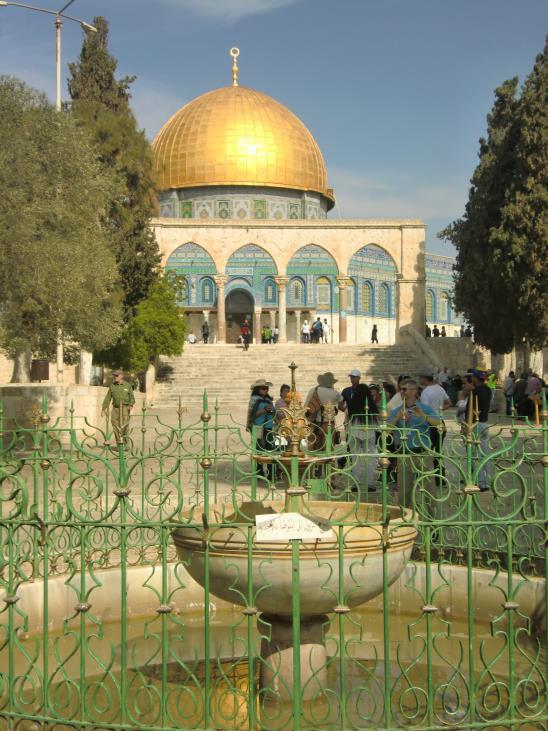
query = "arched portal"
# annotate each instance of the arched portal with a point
(238, 307)
(375, 275)
(195, 269)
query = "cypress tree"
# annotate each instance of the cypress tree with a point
(500, 285)
(101, 104)
(520, 241)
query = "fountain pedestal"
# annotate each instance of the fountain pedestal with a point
(277, 659)
(363, 550)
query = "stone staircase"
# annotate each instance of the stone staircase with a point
(227, 371)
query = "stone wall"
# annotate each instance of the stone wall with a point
(70, 373)
(22, 403)
(459, 354)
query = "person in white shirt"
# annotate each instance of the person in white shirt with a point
(191, 338)
(443, 377)
(326, 331)
(305, 330)
(435, 396)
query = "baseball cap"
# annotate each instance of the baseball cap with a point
(355, 372)
(482, 375)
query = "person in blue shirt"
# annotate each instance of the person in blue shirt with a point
(414, 417)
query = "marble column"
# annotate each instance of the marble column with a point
(272, 314)
(297, 326)
(342, 282)
(257, 312)
(282, 308)
(220, 281)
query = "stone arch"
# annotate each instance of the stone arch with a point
(243, 283)
(253, 259)
(192, 265)
(375, 259)
(247, 254)
(191, 259)
(312, 259)
(253, 263)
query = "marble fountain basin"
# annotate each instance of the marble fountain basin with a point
(361, 562)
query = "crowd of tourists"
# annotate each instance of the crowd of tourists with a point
(414, 412)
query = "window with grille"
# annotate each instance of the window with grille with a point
(297, 291)
(207, 291)
(383, 301)
(367, 297)
(429, 305)
(444, 307)
(270, 291)
(351, 297)
(323, 292)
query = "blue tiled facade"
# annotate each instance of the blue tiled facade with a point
(438, 292)
(312, 285)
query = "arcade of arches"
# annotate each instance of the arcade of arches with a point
(351, 273)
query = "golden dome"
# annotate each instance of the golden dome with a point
(238, 136)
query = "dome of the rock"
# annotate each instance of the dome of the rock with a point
(236, 136)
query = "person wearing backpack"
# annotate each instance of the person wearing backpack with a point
(317, 330)
(315, 402)
(260, 417)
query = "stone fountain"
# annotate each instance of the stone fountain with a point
(295, 560)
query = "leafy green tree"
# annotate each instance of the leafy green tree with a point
(101, 104)
(501, 240)
(57, 270)
(158, 328)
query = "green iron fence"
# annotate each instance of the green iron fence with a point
(103, 625)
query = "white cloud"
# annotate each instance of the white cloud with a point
(394, 196)
(153, 104)
(232, 10)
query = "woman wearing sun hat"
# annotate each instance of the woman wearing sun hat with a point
(260, 417)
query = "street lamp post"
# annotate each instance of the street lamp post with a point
(58, 23)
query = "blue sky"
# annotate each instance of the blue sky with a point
(395, 91)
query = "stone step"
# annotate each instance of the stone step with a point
(227, 371)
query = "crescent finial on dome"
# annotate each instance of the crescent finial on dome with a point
(235, 52)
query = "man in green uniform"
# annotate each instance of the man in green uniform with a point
(121, 395)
